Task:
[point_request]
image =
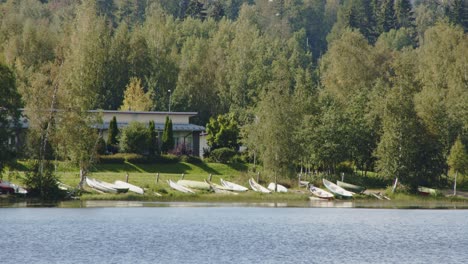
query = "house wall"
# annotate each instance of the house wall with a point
(145, 117)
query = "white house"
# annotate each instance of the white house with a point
(184, 132)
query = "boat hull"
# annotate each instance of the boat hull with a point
(320, 193)
(257, 187)
(337, 190)
(350, 187)
(280, 188)
(233, 186)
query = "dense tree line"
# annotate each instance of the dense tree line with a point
(379, 84)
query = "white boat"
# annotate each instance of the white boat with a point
(179, 187)
(199, 185)
(105, 186)
(95, 185)
(131, 187)
(320, 193)
(233, 187)
(337, 190)
(280, 188)
(219, 189)
(257, 187)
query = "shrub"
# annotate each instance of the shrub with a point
(168, 158)
(190, 159)
(118, 158)
(101, 146)
(222, 155)
(135, 138)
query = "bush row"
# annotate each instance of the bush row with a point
(121, 158)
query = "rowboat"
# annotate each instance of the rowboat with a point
(257, 187)
(199, 185)
(105, 186)
(219, 189)
(337, 190)
(10, 188)
(280, 188)
(350, 187)
(179, 187)
(426, 191)
(131, 187)
(233, 187)
(320, 193)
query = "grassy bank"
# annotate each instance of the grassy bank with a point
(146, 176)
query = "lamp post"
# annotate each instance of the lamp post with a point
(169, 91)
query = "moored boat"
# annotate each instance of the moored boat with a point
(179, 187)
(350, 187)
(131, 187)
(233, 186)
(257, 187)
(320, 193)
(105, 186)
(279, 187)
(97, 186)
(219, 189)
(199, 185)
(11, 188)
(337, 190)
(426, 191)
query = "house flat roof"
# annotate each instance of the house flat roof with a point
(143, 112)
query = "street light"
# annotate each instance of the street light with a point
(169, 91)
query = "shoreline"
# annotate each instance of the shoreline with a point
(280, 200)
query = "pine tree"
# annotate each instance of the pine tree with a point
(387, 19)
(167, 137)
(10, 102)
(153, 140)
(404, 14)
(112, 132)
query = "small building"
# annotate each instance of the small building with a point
(185, 134)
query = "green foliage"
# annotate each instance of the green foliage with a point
(135, 138)
(112, 132)
(10, 102)
(42, 182)
(153, 148)
(223, 132)
(167, 136)
(222, 155)
(135, 98)
(101, 147)
(458, 158)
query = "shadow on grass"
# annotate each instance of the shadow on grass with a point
(238, 166)
(144, 168)
(206, 168)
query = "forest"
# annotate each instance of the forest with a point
(372, 85)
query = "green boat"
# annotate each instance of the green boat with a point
(350, 187)
(426, 191)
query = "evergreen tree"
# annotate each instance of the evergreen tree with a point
(10, 102)
(387, 19)
(153, 140)
(167, 137)
(404, 14)
(113, 131)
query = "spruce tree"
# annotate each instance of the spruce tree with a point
(404, 13)
(153, 141)
(167, 137)
(113, 132)
(387, 18)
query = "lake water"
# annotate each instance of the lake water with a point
(182, 233)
